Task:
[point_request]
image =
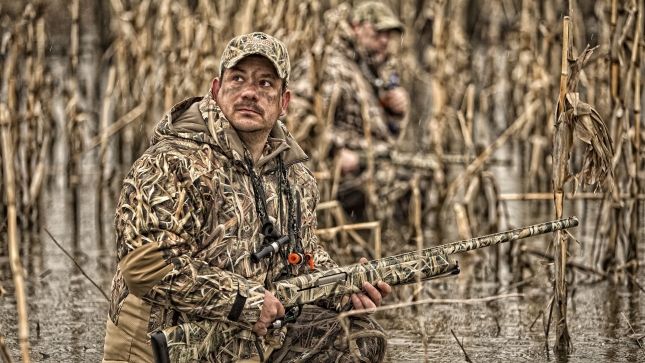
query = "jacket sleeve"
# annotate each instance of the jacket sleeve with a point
(161, 224)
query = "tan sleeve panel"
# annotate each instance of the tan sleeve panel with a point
(133, 321)
(127, 342)
(143, 268)
(117, 344)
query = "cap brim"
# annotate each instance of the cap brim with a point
(233, 61)
(390, 24)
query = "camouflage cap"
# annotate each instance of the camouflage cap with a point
(377, 14)
(260, 44)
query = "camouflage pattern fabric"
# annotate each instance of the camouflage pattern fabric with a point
(318, 337)
(260, 44)
(377, 14)
(203, 338)
(187, 209)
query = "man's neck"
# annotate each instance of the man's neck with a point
(255, 142)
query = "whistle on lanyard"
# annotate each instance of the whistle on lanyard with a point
(299, 258)
(269, 249)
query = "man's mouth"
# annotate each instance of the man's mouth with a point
(245, 107)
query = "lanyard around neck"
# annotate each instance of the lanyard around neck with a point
(268, 228)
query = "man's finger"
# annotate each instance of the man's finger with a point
(385, 288)
(397, 100)
(272, 306)
(373, 292)
(260, 328)
(356, 302)
(361, 301)
(358, 305)
(280, 313)
(367, 302)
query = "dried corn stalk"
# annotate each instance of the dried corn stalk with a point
(590, 128)
(572, 114)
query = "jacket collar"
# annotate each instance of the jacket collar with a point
(222, 134)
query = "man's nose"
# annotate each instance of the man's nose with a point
(383, 38)
(250, 92)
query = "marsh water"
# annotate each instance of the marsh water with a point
(67, 313)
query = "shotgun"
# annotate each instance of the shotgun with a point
(193, 340)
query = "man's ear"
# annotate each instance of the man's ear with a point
(286, 96)
(215, 87)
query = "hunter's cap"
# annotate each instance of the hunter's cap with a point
(379, 15)
(260, 44)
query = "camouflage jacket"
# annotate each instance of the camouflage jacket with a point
(345, 73)
(186, 224)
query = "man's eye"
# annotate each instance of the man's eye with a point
(265, 83)
(237, 78)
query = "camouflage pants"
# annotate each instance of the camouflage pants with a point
(319, 337)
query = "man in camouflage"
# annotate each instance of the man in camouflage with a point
(223, 176)
(357, 85)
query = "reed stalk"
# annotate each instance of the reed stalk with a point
(28, 135)
(8, 56)
(74, 137)
(615, 65)
(42, 122)
(417, 231)
(101, 184)
(561, 146)
(438, 90)
(370, 188)
(635, 187)
(463, 224)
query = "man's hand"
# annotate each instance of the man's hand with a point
(349, 161)
(397, 100)
(272, 309)
(372, 299)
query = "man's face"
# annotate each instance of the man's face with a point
(375, 43)
(250, 95)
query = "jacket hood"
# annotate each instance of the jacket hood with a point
(200, 119)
